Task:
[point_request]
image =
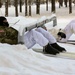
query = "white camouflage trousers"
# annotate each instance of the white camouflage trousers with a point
(39, 36)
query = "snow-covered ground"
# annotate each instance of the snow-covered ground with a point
(18, 60)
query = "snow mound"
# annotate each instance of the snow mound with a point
(18, 60)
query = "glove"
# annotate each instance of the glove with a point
(61, 34)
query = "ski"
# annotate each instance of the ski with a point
(62, 56)
(66, 55)
(72, 53)
(71, 42)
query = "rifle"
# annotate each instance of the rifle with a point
(43, 21)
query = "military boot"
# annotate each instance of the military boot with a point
(56, 46)
(50, 50)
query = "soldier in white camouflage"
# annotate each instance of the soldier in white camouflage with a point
(7, 34)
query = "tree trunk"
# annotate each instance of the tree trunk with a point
(0, 3)
(43, 1)
(9, 3)
(70, 6)
(16, 7)
(74, 2)
(26, 10)
(46, 5)
(60, 3)
(65, 2)
(29, 7)
(37, 6)
(53, 6)
(20, 5)
(6, 8)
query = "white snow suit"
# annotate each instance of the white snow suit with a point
(39, 36)
(68, 30)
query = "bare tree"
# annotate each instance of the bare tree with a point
(20, 5)
(53, 6)
(0, 3)
(74, 2)
(60, 3)
(6, 8)
(9, 3)
(65, 2)
(26, 4)
(70, 6)
(37, 6)
(29, 7)
(47, 5)
(16, 7)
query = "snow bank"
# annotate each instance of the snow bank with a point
(18, 60)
